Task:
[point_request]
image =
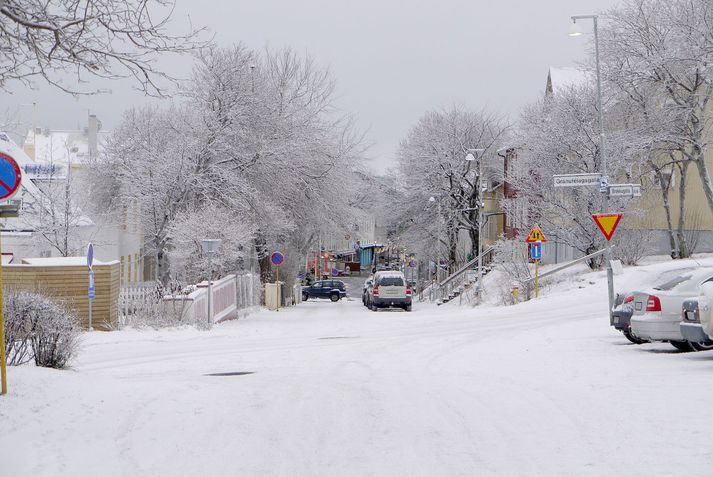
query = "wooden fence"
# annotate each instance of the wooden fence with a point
(68, 284)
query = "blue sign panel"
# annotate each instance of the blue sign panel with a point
(536, 251)
(91, 285)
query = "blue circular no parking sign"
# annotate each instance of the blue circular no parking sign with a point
(277, 258)
(9, 176)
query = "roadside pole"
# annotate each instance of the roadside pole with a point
(277, 258)
(3, 369)
(10, 178)
(90, 290)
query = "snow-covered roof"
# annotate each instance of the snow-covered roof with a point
(9, 147)
(62, 146)
(565, 77)
(60, 261)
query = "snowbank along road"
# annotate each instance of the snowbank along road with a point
(332, 389)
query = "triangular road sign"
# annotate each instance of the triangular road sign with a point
(536, 235)
(607, 223)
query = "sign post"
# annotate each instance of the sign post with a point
(90, 292)
(277, 258)
(10, 180)
(536, 256)
(535, 238)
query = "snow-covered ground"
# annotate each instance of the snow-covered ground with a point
(544, 388)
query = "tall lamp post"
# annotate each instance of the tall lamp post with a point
(471, 156)
(210, 247)
(575, 30)
(438, 239)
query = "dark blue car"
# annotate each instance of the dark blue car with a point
(332, 289)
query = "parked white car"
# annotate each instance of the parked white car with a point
(657, 311)
(705, 308)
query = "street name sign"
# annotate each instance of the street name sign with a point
(577, 180)
(536, 235)
(625, 190)
(607, 223)
(10, 176)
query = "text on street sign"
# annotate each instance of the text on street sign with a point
(577, 180)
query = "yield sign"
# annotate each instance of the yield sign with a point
(536, 235)
(607, 223)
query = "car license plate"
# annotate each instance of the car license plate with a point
(691, 315)
(638, 306)
(616, 320)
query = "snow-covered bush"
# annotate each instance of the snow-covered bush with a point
(16, 306)
(631, 245)
(512, 263)
(40, 328)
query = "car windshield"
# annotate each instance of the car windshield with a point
(673, 283)
(391, 282)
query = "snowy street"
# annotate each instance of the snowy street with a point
(338, 390)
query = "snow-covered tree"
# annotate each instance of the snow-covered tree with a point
(560, 135)
(664, 49)
(255, 136)
(431, 163)
(65, 43)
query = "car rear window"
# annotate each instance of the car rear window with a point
(391, 282)
(673, 283)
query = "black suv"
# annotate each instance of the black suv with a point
(332, 289)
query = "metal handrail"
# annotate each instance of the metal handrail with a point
(529, 281)
(465, 267)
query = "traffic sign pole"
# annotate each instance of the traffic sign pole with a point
(3, 369)
(10, 180)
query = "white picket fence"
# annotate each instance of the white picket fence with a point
(230, 295)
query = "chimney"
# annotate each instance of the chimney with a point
(92, 135)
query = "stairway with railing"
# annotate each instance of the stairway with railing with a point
(462, 280)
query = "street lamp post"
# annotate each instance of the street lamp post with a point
(472, 153)
(576, 31)
(438, 239)
(210, 247)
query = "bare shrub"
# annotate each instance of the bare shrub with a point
(39, 328)
(631, 245)
(512, 261)
(16, 306)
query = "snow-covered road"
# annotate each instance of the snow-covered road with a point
(544, 388)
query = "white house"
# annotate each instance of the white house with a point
(54, 165)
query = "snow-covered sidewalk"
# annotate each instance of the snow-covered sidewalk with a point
(544, 388)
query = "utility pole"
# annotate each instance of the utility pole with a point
(603, 188)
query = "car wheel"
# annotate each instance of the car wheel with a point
(305, 297)
(334, 297)
(632, 337)
(681, 345)
(374, 307)
(703, 346)
(407, 308)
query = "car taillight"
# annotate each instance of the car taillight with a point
(376, 291)
(654, 304)
(408, 292)
(629, 299)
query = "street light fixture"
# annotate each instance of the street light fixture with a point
(575, 31)
(210, 247)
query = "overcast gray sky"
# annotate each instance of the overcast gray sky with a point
(393, 60)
